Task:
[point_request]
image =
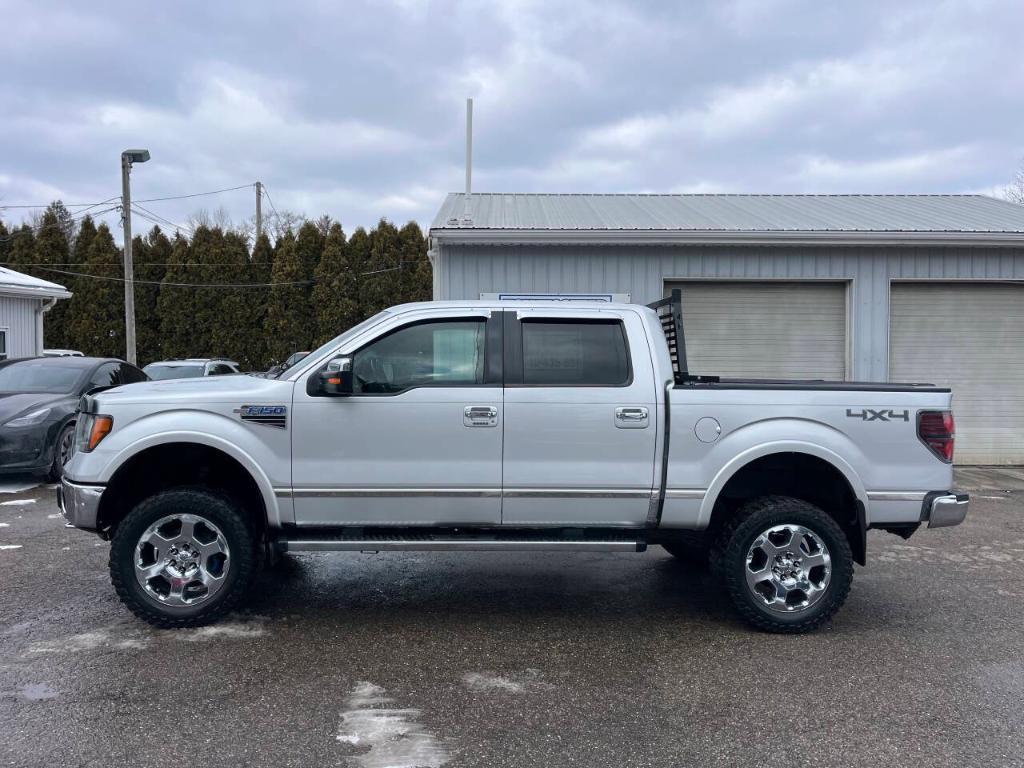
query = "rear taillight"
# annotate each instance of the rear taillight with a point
(937, 431)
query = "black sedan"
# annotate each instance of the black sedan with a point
(38, 400)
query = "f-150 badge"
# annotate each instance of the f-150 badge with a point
(885, 414)
(268, 415)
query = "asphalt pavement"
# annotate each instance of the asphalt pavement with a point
(509, 659)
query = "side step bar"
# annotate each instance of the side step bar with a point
(442, 544)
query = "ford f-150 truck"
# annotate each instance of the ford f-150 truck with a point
(491, 425)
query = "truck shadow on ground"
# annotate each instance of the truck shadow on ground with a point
(369, 588)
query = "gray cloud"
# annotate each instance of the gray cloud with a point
(355, 108)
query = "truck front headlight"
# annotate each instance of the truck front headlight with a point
(91, 429)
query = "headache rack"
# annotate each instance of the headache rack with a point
(670, 312)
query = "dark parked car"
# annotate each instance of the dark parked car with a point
(38, 400)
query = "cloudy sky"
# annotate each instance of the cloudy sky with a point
(356, 107)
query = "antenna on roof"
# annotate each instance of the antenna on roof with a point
(467, 216)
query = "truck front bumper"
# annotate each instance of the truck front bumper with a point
(80, 504)
(945, 509)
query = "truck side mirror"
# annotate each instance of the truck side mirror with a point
(333, 381)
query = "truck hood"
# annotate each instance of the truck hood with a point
(240, 389)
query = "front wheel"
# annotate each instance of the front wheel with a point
(786, 564)
(62, 450)
(183, 557)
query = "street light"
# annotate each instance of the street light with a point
(128, 158)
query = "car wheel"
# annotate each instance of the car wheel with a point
(183, 558)
(62, 450)
(786, 564)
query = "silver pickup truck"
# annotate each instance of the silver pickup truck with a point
(507, 426)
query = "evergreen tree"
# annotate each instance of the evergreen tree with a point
(22, 250)
(381, 283)
(5, 243)
(416, 282)
(150, 255)
(78, 255)
(332, 308)
(233, 330)
(310, 246)
(174, 303)
(262, 265)
(97, 317)
(207, 253)
(51, 247)
(357, 264)
(289, 322)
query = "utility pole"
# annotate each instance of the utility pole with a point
(259, 209)
(128, 157)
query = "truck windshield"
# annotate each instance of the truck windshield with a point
(337, 340)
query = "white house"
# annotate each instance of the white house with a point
(23, 302)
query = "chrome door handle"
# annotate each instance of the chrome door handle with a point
(631, 417)
(480, 416)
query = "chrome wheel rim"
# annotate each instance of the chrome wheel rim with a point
(182, 560)
(788, 568)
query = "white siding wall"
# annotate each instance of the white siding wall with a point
(464, 272)
(18, 317)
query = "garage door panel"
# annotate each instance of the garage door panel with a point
(788, 330)
(969, 337)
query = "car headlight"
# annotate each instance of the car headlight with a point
(91, 429)
(30, 419)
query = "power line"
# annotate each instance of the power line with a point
(156, 218)
(196, 194)
(178, 285)
(19, 231)
(66, 205)
(273, 207)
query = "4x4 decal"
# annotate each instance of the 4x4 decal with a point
(885, 414)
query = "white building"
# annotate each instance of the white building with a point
(23, 302)
(870, 287)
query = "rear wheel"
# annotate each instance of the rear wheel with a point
(183, 558)
(786, 564)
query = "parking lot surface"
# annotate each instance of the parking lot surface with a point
(427, 659)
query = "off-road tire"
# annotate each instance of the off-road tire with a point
(738, 535)
(221, 510)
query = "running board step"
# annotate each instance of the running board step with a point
(448, 544)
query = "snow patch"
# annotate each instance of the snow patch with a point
(37, 692)
(5, 525)
(54, 517)
(10, 546)
(393, 737)
(485, 682)
(227, 630)
(17, 502)
(477, 681)
(107, 638)
(17, 487)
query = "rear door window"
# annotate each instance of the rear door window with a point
(575, 353)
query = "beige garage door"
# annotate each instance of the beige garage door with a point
(970, 337)
(771, 329)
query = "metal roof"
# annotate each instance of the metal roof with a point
(16, 283)
(623, 217)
